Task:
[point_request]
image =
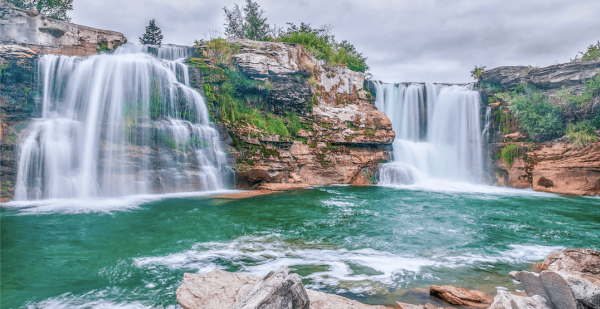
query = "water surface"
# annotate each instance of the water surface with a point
(373, 244)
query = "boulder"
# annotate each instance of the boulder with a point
(461, 297)
(583, 262)
(277, 290)
(360, 180)
(562, 289)
(507, 300)
(221, 290)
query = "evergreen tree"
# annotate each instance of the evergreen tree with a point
(247, 22)
(153, 35)
(56, 9)
(255, 26)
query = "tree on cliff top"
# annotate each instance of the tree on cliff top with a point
(153, 35)
(56, 9)
(247, 22)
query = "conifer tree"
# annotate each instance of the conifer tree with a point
(153, 35)
(247, 22)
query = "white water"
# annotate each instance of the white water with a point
(120, 124)
(438, 136)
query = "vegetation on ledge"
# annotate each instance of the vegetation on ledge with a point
(581, 133)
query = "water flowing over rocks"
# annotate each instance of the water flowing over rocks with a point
(281, 289)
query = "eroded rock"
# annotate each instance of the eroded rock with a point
(507, 300)
(462, 297)
(220, 289)
(583, 262)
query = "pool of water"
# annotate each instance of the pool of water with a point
(373, 244)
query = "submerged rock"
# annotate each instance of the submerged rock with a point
(277, 290)
(462, 297)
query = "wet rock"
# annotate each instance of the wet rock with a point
(507, 300)
(400, 305)
(277, 290)
(220, 289)
(360, 180)
(462, 297)
(215, 290)
(283, 186)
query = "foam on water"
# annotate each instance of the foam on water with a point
(100, 205)
(357, 271)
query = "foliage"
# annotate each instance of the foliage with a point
(153, 35)
(581, 133)
(56, 9)
(540, 119)
(6, 189)
(322, 45)
(508, 154)
(591, 90)
(592, 53)
(249, 24)
(597, 122)
(477, 71)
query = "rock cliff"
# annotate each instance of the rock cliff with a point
(342, 133)
(552, 165)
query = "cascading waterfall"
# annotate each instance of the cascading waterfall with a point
(119, 124)
(437, 133)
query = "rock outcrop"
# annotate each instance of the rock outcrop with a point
(507, 300)
(552, 167)
(50, 36)
(543, 164)
(277, 290)
(343, 133)
(552, 78)
(220, 289)
(582, 262)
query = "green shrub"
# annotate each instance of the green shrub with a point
(322, 45)
(508, 154)
(592, 53)
(477, 71)
(597, 122)
(582, 133)
(540, 119)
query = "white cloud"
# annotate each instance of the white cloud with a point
(405, 40)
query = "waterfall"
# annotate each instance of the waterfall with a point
(438, 133)
(119, 124)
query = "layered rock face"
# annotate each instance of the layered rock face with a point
(554, 166)
(344, 134)
(51, 36)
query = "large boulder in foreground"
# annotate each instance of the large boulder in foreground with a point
(583, 262)
(277, 290)
(221, 290)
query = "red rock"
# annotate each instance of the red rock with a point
(462, 297)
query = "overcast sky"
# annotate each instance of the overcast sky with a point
(404, 40)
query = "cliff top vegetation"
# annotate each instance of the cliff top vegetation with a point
(56, 9)
(249, 22)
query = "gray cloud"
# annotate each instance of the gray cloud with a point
(404, 40)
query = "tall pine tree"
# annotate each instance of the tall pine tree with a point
(153, 35)
(247, 22)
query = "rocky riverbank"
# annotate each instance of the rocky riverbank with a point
(568, 279)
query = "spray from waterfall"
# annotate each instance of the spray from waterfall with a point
(438, 133)
(119, 124)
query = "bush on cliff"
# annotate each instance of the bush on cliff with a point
(322, 45)
(249, 22)
(539, 118)
(56, 9)
(581, 133)
(592, 53)
(509, 153)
